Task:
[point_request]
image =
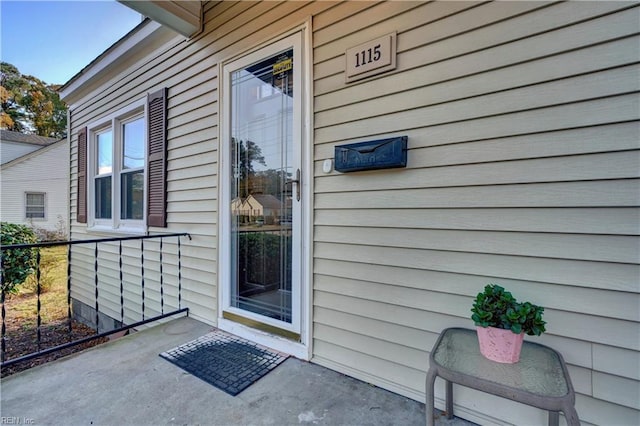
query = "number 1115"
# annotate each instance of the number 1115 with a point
(367, 56)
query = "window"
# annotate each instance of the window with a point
(35, 205)
(117, 159)
(104, 167)
(129, 169)
(132, 172)
(121, 175)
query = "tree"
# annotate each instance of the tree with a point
(6, 121)
(30, 105)
(247, 153)
(13, 87)
(272, 182)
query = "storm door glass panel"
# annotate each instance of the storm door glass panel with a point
(262, 164)
(104, 168)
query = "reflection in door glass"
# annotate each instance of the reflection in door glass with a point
(261, 157)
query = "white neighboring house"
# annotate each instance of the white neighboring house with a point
(34, 178)
(16, 144)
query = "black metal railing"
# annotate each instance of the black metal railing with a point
(125, 285)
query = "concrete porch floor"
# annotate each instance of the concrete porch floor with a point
(125, 382)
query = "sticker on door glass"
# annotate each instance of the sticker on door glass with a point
(283, 65)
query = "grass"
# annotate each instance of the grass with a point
(53, 291)
(22, 315)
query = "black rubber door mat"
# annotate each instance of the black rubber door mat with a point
(225, 361)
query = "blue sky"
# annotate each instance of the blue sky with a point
(54, 40)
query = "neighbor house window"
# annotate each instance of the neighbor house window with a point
(35, 205)
(117, 157)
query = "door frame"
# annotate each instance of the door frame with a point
(303, 348)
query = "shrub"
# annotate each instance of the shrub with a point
(17, 264)
(58, 234)
(261, 258)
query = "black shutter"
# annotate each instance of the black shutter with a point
(156, 159)
(81, 212)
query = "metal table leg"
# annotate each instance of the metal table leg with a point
(449, 399)
(570, 414)
(431, 379)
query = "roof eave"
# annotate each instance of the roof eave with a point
(184, 17)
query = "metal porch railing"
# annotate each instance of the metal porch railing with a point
(97, 246)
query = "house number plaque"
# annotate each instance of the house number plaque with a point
(371, 58)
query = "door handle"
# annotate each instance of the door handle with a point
(297, 181)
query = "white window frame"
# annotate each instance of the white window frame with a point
(44, 205)
(114, 122)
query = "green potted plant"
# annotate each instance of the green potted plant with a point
(501, 322)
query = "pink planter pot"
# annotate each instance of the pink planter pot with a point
(500, 345)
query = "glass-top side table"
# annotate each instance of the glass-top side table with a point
(539, 379)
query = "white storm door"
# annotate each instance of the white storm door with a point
(261, 189)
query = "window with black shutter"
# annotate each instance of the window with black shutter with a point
(122, 168)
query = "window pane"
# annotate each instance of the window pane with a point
(35, 213)
(132, 195)
(105, 152)
(103, 198)
(34, 206)
(35, 200)
(133, 151)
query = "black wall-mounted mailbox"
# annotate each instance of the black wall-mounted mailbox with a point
(380, 154)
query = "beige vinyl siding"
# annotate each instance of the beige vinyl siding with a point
(523, 169)
(189, 68)
(108, 274)
(160, 69)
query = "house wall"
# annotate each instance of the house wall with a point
(189, 69)
(191, 183)
(522, 121)
(47, 171)
(522, 170)
(12, 150)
